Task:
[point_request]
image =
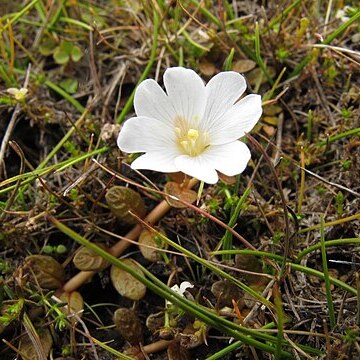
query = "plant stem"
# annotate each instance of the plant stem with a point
(153, 217)
(129, 102)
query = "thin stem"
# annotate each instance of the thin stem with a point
(293, 266)
(155, 285)
(152, 218)
(331, 223)
(326, 275)
(339, 136)
(129, 102)
(328, 243)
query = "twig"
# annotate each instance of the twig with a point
(189, 205)
(12, 123)
(323, 97)
(327, 16)
(327, 181)
(20, 153)
(278, 138)
(93, 70)
(76, 315)
(283, 200)
(117, 79)
(336, 48)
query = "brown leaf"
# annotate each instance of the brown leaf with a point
(75, 304)
(125, 284)
(243, 66)
(45, 270)
(121, 200)
(128, 325)
(149, 241)
(175, 189)
(87, 260)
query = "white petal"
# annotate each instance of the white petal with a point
(186, 92)
(230, 159)
(163, 161)
(151, 101)
(238, 120)
(142, 134)
(197, 167)
(185, 285)
(222, 91)
(176, 288)
(12, 91)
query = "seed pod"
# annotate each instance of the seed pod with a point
(121, 200)
(125, 284)
(193, 335)
(128, 325)
(48, 273)
(87, 260)
(154, 322)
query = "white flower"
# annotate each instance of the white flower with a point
(191, 128)
(180, 290)
(18, 94)
(183, 286)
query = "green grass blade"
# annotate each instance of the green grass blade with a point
(337, 242)
(259, 59)
(20, 14)
(294, 266)
(227, 238)
(327, 41)
(339, 136)
(155, 285)
(326, 275)
(280, 321)
(29, 177)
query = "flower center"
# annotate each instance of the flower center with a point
(191, 141)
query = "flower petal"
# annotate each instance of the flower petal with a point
(186, 92)
(197, 167)
(163, 161)
(151, 101)
(222, 91)
(185, 285)
(230, 159)
(142, 134)
(238, 120)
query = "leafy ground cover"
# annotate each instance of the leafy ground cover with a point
(270, 258)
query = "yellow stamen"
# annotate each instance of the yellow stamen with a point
(184, 144)
(192, 134)
(191, 141)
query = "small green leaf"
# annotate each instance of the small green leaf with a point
(47, 46)
(69, 85)
(76, 53)
(67, 46)
(61, 57)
